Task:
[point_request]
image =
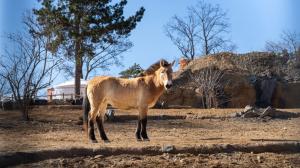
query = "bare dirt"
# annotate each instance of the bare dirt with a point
(198, 138)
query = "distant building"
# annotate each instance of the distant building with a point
(65, 90)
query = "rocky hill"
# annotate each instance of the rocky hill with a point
(236, 80)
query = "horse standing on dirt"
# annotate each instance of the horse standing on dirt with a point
(137, 93)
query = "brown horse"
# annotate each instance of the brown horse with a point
(138, 93)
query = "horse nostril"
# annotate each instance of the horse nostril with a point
(168, 86)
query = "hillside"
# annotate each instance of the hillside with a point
(236, 80)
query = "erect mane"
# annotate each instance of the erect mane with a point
(151, 70)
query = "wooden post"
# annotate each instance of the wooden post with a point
(50, 100)
(50, 94)
(63, 97)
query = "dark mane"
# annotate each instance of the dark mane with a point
(153, 68)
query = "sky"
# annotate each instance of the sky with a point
(253, 22)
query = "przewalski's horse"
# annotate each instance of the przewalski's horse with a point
(137, 93)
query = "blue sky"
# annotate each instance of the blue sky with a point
(253, 22)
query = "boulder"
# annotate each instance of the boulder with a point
(291, 95)
(241, 92)
(286, 95)
(265, 89)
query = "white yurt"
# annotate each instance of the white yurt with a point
(66, 90)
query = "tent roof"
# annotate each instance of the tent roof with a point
(70, 83)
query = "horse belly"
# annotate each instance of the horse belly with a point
(123, 100)
(123, 105)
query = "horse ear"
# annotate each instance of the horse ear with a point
(162, 63)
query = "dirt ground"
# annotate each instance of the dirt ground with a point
(177, 160)
(200, 138)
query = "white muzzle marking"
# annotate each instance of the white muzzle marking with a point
(167, 82)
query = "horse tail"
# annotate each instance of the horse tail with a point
(86, 109)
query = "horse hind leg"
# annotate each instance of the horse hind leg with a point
(101, 129)
(99, 120)
(91, 119)
(91, 130)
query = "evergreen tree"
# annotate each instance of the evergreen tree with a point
(78, 28)
(132, 71)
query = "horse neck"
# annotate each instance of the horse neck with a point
(153, 79)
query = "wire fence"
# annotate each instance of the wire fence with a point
(9, 103)
(49, 98)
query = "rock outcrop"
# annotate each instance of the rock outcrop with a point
(258, 78)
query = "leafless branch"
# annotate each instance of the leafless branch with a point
(209, 84)
(289, 40)
(202, 31)
(27, 65)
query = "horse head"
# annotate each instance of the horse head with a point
(164, 74)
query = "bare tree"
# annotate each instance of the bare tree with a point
(289, 40)
(208, 83)
(183, 33)
(27, 66)
(3, 88)
(203, 30)
(298, 55)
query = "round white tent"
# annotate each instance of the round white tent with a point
(67, 89)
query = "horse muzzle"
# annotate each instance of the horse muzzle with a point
(168, 86)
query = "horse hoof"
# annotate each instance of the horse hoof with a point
(94, 141)
(139, 140)
(106, 141)
(146, 139)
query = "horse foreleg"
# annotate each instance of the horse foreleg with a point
(143, 123)
(144, 129)
(138, 131)
(101, 129)
(91, 132)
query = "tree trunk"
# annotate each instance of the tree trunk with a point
(78, 70)
(205, 39)
(78, 59)
(24, 110)
(203, 98)
(25, 115)
(206, 46)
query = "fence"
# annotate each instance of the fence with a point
(49, 98)
(62, 96)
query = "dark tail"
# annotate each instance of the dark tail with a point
(86, 109)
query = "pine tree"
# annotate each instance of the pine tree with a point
(77, 28)
(132, 71)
